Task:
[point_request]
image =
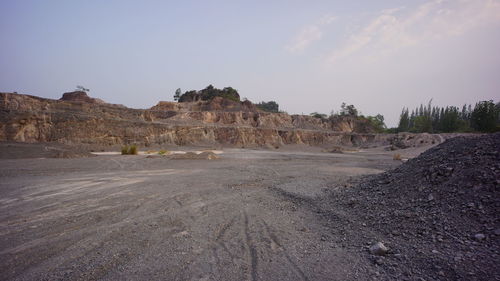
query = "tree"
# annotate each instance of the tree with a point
(423, 124)
(81, 88)
(178, 94)
(484, 116)
(270, 106)
(404, 121)
(377, 122)
(230, 93)
(450, 120)
(349, 110)
(209, 93)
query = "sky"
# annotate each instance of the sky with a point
(307, 55)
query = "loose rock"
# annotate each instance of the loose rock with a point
(479, 237)
(378, 249)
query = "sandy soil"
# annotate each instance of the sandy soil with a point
(115, 217)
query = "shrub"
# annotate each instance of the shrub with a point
(396, 156)
(318, 115)
(270, 106)
(132, 150)
(125, 150)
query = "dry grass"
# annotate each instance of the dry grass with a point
(397, 156)
(129, 150)
(125, 150)
(133, 150)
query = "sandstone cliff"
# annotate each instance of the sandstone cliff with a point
(79, 119)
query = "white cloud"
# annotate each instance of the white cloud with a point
(436, 19)
(308, 35)
(304, 38)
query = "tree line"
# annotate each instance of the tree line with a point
(483, 117)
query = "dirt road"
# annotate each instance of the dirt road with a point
(136, 218)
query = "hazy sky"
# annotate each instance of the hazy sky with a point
(306, 55)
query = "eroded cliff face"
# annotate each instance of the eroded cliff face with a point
(218, 122)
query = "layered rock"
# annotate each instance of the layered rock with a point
(78, 119)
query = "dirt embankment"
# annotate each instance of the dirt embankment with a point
(17, 150)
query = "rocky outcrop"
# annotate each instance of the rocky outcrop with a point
(78, 119)
(79, 96)
(216, 104)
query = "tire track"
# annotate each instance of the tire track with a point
(252, 252)
(219, 240)
(293, 265)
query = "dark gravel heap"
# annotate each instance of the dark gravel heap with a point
(439, 213)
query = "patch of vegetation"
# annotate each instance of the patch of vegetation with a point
(318, 115)
(270, 106)
(207, 94)
(125, 150)
(348, 110)
(163, 152)
(133, 150)
(376, 122)
(129, 150)
(81, 88)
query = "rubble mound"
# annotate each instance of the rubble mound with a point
(407, 140)
(80, 96)
(438, 213)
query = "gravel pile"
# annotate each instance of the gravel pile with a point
(438, 214)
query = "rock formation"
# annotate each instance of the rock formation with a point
(79, 119)
(80, 96)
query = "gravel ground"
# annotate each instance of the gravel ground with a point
(250, 215)
(438, 213)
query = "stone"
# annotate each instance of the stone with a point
(378, 249)
(479, 237)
